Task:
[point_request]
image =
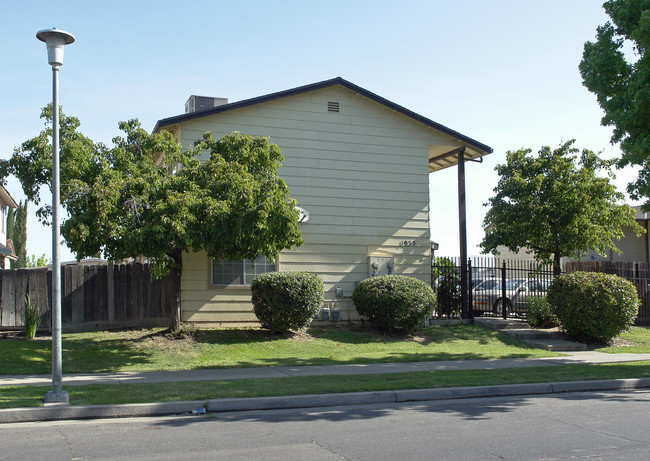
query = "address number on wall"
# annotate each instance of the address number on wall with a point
(407, 243)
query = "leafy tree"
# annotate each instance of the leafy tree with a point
(11, 222)
(20, 235)
(446, 275)
(146, 196)
(41, 261)
(616, 69)
(556, 205)
(17, 233)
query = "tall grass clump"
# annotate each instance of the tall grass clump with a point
(32, 317)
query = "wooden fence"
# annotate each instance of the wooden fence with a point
(636, 272)
(93, 297)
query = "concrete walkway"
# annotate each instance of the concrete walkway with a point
(309, 401)
(227, 374)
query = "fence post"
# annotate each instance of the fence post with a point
(470, 300)
(503, 291)
(110, 293)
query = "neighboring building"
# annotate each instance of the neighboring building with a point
(634, 248)
(357, 163)
(6, 247)
(522, 255)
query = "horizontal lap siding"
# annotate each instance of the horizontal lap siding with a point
(201, 303)
(363, 176)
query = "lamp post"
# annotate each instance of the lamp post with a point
(55, 40)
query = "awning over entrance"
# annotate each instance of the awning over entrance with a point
(441, 157)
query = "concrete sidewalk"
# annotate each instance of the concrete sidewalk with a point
(227, 374)
(310, 401)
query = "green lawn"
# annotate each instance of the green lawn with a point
(635, 341)
(31, 396)
(149, 350)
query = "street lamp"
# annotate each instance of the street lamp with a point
(56, 40)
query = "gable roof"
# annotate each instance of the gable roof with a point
(6, 198)
(438, 160)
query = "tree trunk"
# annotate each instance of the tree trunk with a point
(177, 256)
(557, 267)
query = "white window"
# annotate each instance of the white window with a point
(239, 272)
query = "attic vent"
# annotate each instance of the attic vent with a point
(332, 107)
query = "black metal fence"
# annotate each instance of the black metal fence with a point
(493, 280)
(490, 281)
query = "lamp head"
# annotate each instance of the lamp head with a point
(55, 40)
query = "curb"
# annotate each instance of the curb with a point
(55, 413)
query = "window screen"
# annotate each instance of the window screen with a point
(239, 272)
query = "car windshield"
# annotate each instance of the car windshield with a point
(488, 284)
(513, 284)
(538, 286)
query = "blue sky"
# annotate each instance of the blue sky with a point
(504, 72)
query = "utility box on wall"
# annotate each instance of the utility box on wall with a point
(380, 265)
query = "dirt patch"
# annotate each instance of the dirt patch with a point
(300, 336)
(162, 339)
(161, 342)
(20, 336)
(620, 342)
(417, 336)
(418, 339)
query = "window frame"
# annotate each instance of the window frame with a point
(244, 272)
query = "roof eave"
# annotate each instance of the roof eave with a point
(480, 147)
(6, 197)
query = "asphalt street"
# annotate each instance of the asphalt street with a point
(594, 425)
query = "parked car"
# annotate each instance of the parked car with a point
(480, 275)
(488, 296)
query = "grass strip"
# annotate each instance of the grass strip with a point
(99, 394)
(634, 341)
(152, 350)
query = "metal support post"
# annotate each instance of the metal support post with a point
(504, 309)
(465, 312)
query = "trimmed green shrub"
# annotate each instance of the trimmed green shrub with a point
(284, 301)
(593, 307)
(392, 302)
(539, 313)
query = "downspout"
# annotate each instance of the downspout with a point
(647, 244)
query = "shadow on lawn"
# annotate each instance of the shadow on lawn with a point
(355, 335)
(388, 359)
(108, 355)
(79, 355)
(132, 349)
(348, 335)
(345, 336)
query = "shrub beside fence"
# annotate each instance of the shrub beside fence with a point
(636, 272)
(481, 269)
(93, 297)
